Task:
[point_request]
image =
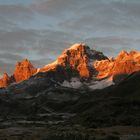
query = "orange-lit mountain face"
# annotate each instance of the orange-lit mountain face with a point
(24, 70)
(5, 80)
(78, 61)
(124, 63)
(78, 58)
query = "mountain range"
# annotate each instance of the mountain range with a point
(79, 66)
(83, 95)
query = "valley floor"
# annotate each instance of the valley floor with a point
(34, 132)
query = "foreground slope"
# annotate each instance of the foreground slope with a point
(69, 113)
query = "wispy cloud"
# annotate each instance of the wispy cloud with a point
(41, 29)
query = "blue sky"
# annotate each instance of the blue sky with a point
(40, 29)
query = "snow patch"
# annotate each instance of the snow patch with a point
(101, 84)
(76, 46)
(76, 83)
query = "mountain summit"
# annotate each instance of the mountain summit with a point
(5, 80)
(77, 66)
(78, 59)
(24, 70)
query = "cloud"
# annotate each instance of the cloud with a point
(12, 2)
(55, 7)
(15, 16)
(112, 45)
(106, 16)
(41, 29)
(6, 67)
(10, 57)
(17, 41)
(40, 46)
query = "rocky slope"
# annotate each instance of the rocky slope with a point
(64, 113)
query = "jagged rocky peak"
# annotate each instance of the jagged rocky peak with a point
(24, 70)
(124, 63)
(78, 62)
(79, 57)
(122, 54)
(80, 52)
(5, 80)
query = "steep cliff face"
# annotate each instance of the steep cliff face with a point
(124, 63)
(24, 70)
(5, 80)
(78, 59)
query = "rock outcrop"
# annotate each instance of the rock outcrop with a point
(124, 63)
(24, 70)
(78, 59)
(5, 80)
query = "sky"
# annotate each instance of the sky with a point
(40, 30)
